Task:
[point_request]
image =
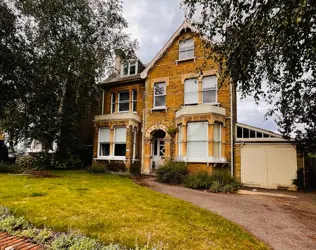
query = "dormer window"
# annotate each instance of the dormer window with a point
(186, 49)
(129, 68)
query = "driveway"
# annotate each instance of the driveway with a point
(283, 220)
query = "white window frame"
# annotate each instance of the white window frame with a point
(216, 95)
(129, 64)
(219, 141)
(113, 103)
(197, 159)
(134, 101)
(134, 143)
(158, 107)
(181, 49)
(114, 143)
(119, 101)
(99, 143)
(102, 101)
(185, 92)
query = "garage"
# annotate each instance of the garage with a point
(266, 159)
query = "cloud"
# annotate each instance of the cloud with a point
(152, 23)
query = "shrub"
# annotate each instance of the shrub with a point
(172, 172)
(216, 187)
(116, 166)
(299, 181)
(200, 180)
(26, 162)
(10, 168)
(223, 182)
(98, 168)
(135, 168)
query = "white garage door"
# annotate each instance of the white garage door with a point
(268, 165)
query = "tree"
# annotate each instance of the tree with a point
(72, 44)
(270, 41)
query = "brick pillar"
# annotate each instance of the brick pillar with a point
(176, 138)
(111, 141)
(129, 146)
(210, 139)
(200, 91)
(184, 140)
(147, 156)
(96, 142)
(167, 149)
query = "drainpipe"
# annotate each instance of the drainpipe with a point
(231, 130)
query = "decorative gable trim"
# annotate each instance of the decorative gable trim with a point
(183, 26)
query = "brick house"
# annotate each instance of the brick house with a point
(168, 109)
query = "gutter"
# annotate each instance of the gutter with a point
(231, 130)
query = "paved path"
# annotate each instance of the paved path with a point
(286, 221)
(8, 242)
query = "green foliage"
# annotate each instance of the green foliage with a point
(278, 47)
(26, 162)
(98, 168)
(216, 187)
(135, 168)
(200, 180)
(223, 182)
(10, 168)
(172, 172)
(299, 181)
(116, 166)
(172, 131)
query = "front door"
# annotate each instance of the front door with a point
(158, 153)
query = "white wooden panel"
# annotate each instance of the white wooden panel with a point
(253, 166)
(282, 166)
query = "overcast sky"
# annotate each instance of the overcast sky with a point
(152, 23)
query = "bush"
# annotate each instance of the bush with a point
(10, 168)
(98, 168)
(135, 168)
(116, 166)
(299, 181)
(223, 182)
(198, 181)
(172, 172)
(26, 162)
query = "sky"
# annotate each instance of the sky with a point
(152, 23)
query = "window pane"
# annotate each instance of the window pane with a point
(191, 87)
(190, 53)
(104, 135)
(259, 135)
(246, 133)
(113, 102)
(134, 100)
(209, 96)
(124, 106)
(217, 149)
(160, 89)
(132, 70)
(179, 140)
(125, 70)
(197, 131)
(252, 134)
(124, 96)
(182, 55)
(217, 132)
(120, 149)
(104, 149)
(197, 149)
(209, 82)
(239, 132)
(160, 101)
(120, 135)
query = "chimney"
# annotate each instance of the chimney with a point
(118, 59)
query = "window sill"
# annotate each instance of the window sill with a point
(110, 157)
(159, 109)
(201, 160)
(185, 60)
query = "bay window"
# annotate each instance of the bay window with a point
(191, 91)
(104, 142)
(217, 143)
(160, 95)
(209, 86)
(186, 49)
(120, 141)
(197, 140)
(123, 100)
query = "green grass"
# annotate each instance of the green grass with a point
(115, 209)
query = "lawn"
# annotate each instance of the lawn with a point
(115, 209)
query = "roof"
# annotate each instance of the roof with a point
(120, 79)
(183, 26)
